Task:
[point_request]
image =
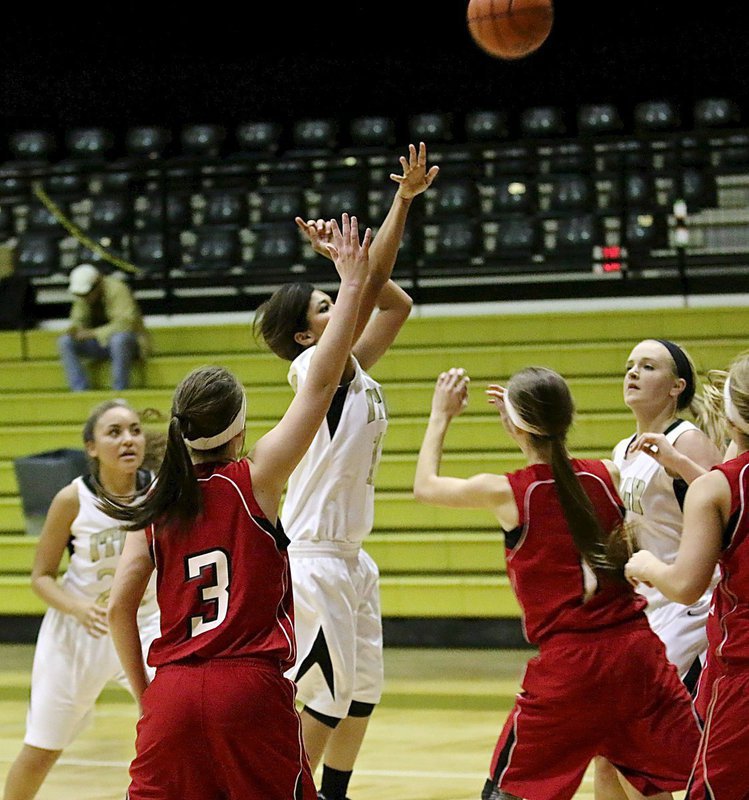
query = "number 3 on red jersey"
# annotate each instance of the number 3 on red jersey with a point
(216, 593)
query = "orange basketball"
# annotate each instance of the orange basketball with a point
(510, 28)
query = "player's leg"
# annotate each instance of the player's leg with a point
(346, 740)
(342, 750)
(324, 609)
(70, 669)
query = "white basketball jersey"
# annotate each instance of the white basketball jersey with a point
(330, 496)
(647, 491)
(95, 547)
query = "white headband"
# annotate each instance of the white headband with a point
(516, 419)
(732, 414)
(235, 427)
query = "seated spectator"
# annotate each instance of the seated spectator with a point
(105, 323)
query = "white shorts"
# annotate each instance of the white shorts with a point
(338, 630)
(682, 630)
(71, 668)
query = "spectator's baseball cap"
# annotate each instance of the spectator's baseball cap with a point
(83, 279)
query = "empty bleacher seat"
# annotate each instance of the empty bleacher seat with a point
(698, 189)
(212, 249)
(109, 214)
(275, 243)
(374, 132)
(220, 207)
(37, 254)
(149, 210)
(147, 251)
(577, 233)
(716, 112)
(598, 118)
(486, 126)
(514, 235)
(32, 145)
(511, 196)
(566, 193)
(432, 127)
(452, 240)
(542, 121)
(148, 141)
(258, 138)
(512, 159)
(278, 204)
(40, 218)
(89, 144)
(656, 115)
(203, 141)
(65, 178)
(451, 199)
(335, 200)
(318, 136)
(645, 230)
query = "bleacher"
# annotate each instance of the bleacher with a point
(556, 202)
(437, 565)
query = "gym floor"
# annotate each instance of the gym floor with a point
(431, 739)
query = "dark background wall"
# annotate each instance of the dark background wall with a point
(203, 62)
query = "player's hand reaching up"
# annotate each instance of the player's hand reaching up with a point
(451, 393)
(415, 178)
(351, 258)
(318, 232)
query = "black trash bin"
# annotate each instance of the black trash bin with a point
(41, 476)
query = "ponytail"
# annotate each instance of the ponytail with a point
(599, 549)
(544, 403)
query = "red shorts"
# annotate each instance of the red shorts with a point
(225, 729)
(605, 693)
(720, 769)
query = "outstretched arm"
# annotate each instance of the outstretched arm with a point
(479, 491)
(373, 337)
(706, 511)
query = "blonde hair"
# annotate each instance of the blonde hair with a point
(739, 373)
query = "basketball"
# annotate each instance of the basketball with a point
(510, 28)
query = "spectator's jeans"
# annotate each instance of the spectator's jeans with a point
(121, 349)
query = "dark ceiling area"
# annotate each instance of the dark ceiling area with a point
(170, 64)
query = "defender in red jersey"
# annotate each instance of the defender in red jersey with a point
(601, 684)
(218, 720)
(716, 530)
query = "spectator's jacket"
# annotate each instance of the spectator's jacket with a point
(116, 311)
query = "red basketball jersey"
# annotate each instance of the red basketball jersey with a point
(223, 585)
(728, 631)
(556, 590)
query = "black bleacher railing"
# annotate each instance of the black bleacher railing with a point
(206, 216)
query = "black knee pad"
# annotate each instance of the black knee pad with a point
(357, 709)
(330, 722)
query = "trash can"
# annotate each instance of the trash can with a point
(41, 476)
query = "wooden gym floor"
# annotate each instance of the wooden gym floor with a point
(431, 739)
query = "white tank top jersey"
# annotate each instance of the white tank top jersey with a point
(330, 496)
(649, 496)
(95, 547)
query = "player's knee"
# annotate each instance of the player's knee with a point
(357, 709)
(325, 719)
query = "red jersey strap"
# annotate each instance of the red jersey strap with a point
(737, 474)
